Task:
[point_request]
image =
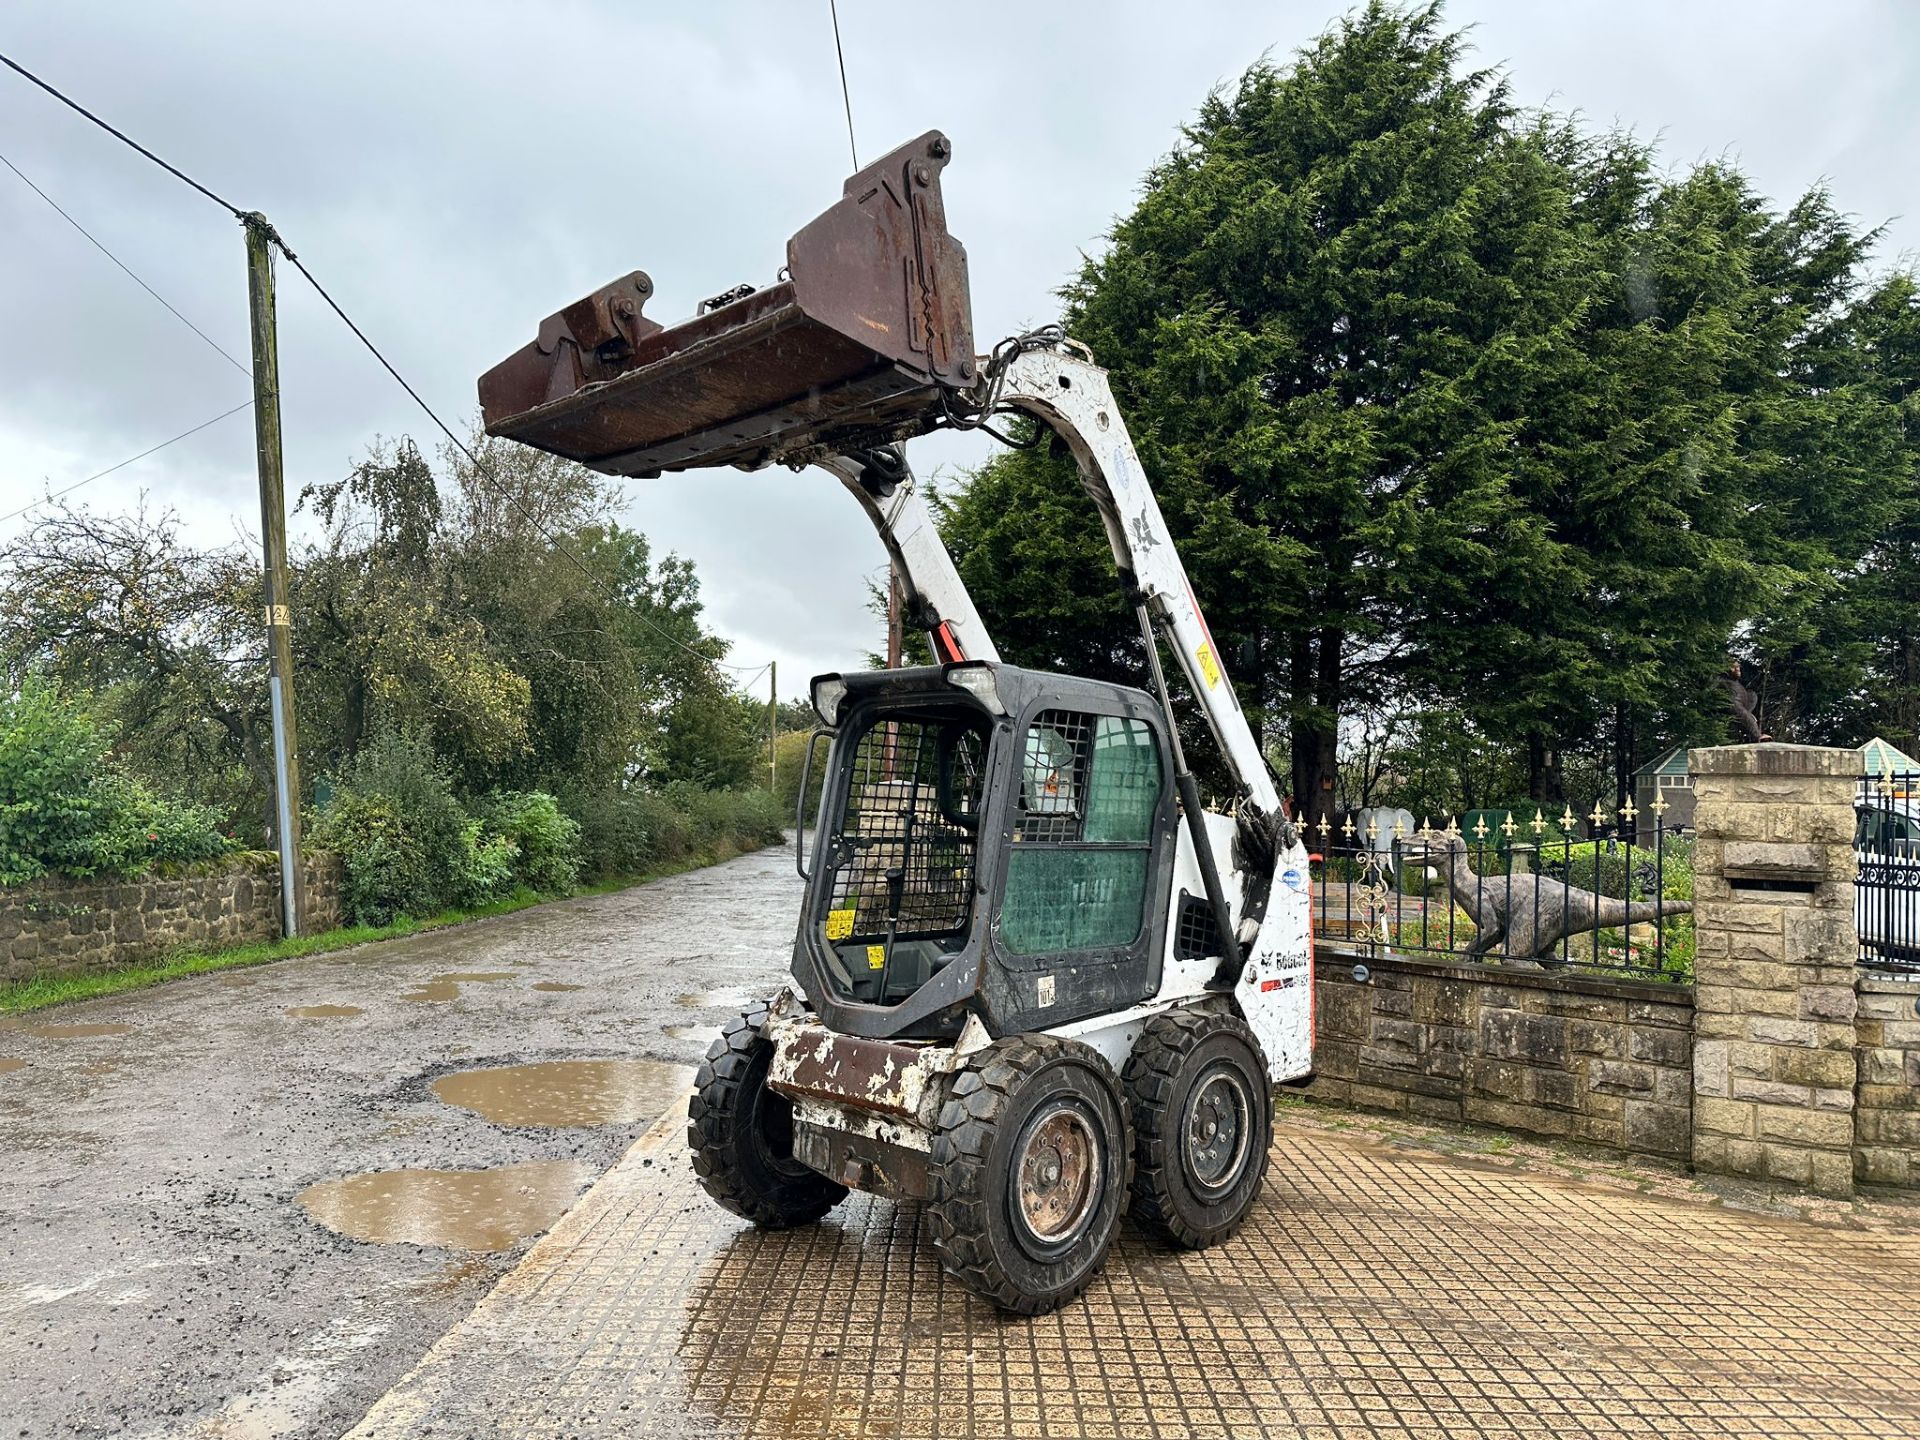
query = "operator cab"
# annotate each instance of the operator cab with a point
(985, 833)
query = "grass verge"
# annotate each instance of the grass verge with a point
(20, 996)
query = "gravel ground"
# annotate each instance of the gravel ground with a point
(158, 1276)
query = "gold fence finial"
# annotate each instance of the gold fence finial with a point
(1373, 830)
(1659, 806)
(1538, 824)
(1885, 783)
(1629, 810)
(1480, 829)
(1324, 826)
(1399, 829)
(1453, 828)
(1425, 832)
(1507, 827)
(1599, 816)
(1566, 820)
(1346, 827)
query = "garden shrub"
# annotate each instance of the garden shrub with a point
(487, 864)
(402, 836)
(386, 868)
(545, 839)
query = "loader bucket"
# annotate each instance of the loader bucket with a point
(852, 347)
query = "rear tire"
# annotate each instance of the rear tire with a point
(1029, 1171)
(741, 1134)
(1202, 1121)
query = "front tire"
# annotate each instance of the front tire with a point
(1203, 1123)
(1029, 1171)
(741, 1134)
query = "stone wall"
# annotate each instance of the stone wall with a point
(69, 927)
(1603, 1061)
(1886, 1117)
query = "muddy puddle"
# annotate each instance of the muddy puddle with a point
(566, 1092)
(442, 988)
(454, 1209)
(554, 987)
(77, 1032)
(685, 1032)
(324, 1012)
(237, 982)
(8, 1066)
(718, 999)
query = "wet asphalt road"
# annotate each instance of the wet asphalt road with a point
(158, 1276)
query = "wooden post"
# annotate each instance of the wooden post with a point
(273, 541)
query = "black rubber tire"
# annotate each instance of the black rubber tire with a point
(742, 1135)
(987, 1110)
(1162, 1075)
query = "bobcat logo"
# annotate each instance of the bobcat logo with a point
(1143, 538)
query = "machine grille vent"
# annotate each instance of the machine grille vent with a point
(1195, 936)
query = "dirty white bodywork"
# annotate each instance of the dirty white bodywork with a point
(1059, 385)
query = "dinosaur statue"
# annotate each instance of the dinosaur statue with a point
(1525, 916)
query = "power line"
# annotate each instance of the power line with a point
(95, 242)
(833, 8)
(120, 135)
(99, 474)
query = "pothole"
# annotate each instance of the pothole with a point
(442, 988)
(324, 1012)
(554, 987)
(736, 999)
(77, 1032)
(453, 1209)
(566, 1092)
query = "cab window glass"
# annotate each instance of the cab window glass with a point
(1077, 878)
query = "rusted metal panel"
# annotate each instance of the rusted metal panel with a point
(810, 1062)
(853, 346)
(862, 1163)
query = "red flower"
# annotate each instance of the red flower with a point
(152, 836)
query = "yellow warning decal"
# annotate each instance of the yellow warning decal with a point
(876, 957)
(839, 924)
(1209, 667)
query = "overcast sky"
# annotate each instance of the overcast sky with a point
(453, 173)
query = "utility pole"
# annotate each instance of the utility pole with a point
(273, 540)
(773, 726)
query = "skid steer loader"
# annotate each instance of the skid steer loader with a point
(1034, 981)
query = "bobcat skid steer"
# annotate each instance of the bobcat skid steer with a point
(1034, 981)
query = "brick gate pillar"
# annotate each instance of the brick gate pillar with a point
(1773, 1056)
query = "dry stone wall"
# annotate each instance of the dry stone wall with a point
(70, 927)
(1886, 1117)
(1592, 1059)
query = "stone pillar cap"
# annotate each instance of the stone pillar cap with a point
(1774, 758)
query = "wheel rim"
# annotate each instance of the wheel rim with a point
(1055, 1180)
(1219, 1130)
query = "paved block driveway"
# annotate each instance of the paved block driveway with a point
(1387, 1289)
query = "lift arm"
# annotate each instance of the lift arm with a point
(937, 600)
